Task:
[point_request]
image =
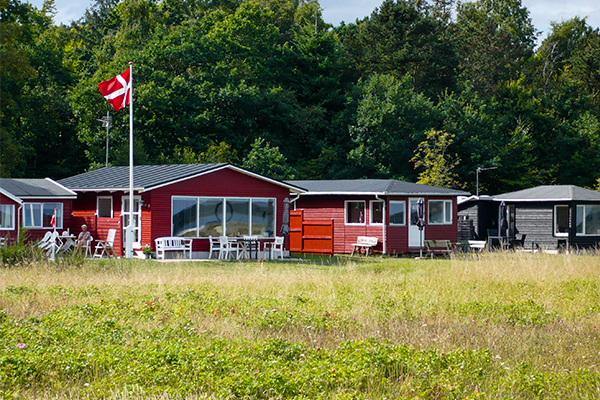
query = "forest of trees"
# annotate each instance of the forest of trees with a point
(421, 90)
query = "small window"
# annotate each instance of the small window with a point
(104, 207)
(355, 212)
(397, 213)
(376, 214)
(7, 216)
(440, 212)
(561, 220)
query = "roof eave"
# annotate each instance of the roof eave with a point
(61, 186)
(291, 188)
(382, 194)
(11, 196)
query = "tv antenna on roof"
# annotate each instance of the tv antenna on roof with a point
(106, 123)
(479, 169)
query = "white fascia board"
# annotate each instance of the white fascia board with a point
(61, 186)
(376, 194)
(531, 200)
(11, 196)
(49, 197)
(112, 190)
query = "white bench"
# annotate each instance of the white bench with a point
(365, 243)
(173, 243)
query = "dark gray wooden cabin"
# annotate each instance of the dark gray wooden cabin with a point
(551, 217)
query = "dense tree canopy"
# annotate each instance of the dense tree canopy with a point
(419, 90)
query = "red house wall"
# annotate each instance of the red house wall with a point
(324, 207)
(35, 234)
(84, 212)
(156, 211)
(222, 183)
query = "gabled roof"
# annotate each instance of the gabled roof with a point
(148, 177)
(551, 193)
(34, 189)
(372, 187)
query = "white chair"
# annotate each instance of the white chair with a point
(106, 246)
(277, 247)
(227, 248)
(215, 247)
(42, 244)
(87, 247)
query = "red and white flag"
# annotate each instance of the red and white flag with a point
(117, 90)
(53, 220)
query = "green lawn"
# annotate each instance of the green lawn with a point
(518, 326)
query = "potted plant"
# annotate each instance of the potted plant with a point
(147, 251)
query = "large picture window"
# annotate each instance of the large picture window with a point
(185, 216)
(263, 217)
(440, 212)
(39, 215)
(7, 216)
(561, 220)
(217, 216)
(355, 212)
(588, 219)
(397, 213)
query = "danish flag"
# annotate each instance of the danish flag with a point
(53, 220)
(117, 90)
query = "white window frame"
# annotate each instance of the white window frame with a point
(446, 219)
(58, 223)
(346, 203)
(224, 218)
(403, 206)
(581, 214)
(112, 208)
(556, 232)
(11, 208)
(371, 203)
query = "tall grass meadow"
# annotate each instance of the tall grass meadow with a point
(505, 325)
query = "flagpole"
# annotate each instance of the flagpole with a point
(53, 220)
(129, 228)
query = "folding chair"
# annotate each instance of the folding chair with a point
(105, 247)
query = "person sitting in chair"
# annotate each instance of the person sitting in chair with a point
(83, 237)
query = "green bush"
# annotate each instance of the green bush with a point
(20, 252)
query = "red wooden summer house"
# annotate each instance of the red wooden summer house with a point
(194, 201)
(332, 214)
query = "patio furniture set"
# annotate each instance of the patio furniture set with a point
(245, 247)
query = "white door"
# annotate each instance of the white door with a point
(137, 220)
(415, 236)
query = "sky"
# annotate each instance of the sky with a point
(335, 11)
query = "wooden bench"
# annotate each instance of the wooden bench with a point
(365, 243)
(173, 243)
(439, 247)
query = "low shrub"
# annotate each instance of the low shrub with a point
(20, 252)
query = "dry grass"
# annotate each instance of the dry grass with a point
(538, 310)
